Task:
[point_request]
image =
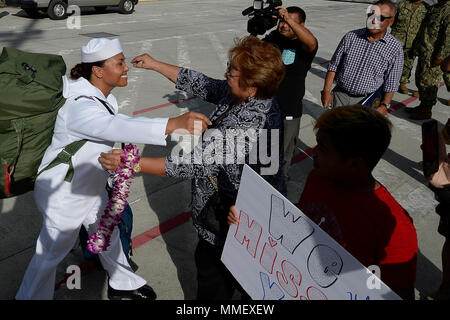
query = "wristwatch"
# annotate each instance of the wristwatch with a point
(137, 168)
(387, 105)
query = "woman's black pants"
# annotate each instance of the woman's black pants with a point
(214, 280)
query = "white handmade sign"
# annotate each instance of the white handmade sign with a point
(276, 252)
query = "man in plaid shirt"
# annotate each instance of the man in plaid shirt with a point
(366, 60)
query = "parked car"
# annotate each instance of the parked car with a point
(57, 9)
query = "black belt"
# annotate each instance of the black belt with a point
(338, 88)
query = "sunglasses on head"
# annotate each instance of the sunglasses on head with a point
(379, 18)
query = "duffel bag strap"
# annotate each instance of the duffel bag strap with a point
(65, 156)
(18, 125)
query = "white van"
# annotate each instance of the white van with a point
(57, 9)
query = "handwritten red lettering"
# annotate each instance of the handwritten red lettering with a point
(249, 232)
(268, 257)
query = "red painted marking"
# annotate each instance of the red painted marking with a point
(302, 156)
(151, 234)
(404, 103)
(162, 106)
(322, 63)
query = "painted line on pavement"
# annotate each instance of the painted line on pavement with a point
(162, 106)
(303, 155)
(321, 64)
(164, 227)
(404, 103)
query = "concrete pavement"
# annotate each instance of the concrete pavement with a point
(197, 34)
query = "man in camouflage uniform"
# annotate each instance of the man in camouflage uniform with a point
(445, 67)
(432, 47)
(410, 14)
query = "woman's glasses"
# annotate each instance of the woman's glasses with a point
(379, 18)
(228, 71)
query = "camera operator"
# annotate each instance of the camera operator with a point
(298, 47)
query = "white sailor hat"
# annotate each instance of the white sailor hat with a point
(99, 49)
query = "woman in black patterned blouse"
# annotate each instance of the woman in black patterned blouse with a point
(246, 116)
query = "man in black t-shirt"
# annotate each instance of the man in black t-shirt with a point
(298, 47)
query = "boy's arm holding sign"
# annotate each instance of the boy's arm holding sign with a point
(232, 216)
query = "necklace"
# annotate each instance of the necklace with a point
(121, 182)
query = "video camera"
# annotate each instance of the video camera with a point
(262, 19)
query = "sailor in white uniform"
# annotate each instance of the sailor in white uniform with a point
(68, 205)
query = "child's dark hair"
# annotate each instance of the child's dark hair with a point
(357, 131)
(84, 69)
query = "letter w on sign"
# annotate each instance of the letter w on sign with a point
(288, 228)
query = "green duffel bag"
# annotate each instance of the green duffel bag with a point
(30, 96)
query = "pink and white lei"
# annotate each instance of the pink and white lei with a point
(121, 183)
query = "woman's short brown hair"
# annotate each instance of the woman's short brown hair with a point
(260, 65)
